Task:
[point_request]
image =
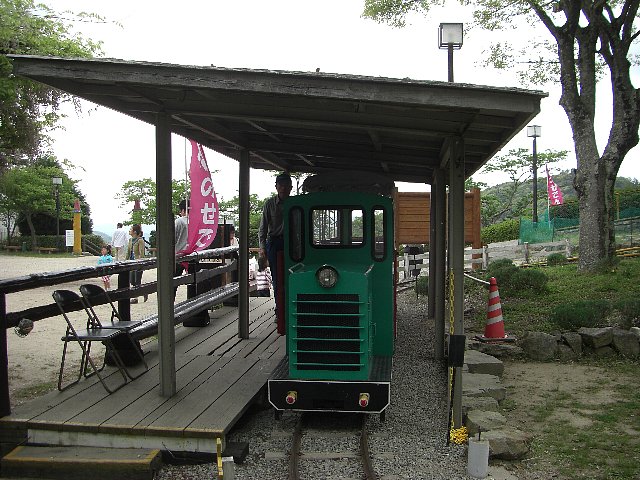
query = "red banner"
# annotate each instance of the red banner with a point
(553, 190)
(203, 203)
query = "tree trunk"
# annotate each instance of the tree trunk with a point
(595, 196)
(34, 238)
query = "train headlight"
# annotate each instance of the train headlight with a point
(327, 276)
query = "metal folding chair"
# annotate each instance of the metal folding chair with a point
(84, 338)
(93, 295)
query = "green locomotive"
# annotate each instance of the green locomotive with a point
(339, 304)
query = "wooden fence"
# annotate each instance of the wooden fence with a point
(519, 254)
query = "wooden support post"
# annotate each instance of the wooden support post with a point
(5, 401)
(243, 259)
(456, 254)
(166, 257)
(485, 257)
(438, 263)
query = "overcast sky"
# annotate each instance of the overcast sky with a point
(297, 35)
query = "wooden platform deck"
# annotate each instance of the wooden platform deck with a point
(218, 376)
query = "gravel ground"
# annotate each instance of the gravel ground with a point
(410, 444)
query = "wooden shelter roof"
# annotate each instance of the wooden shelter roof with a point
(303, 121)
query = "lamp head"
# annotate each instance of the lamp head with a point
(450, 35)
(534, 131)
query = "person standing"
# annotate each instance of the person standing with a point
(104, 259)
(270, 235)
(135, 250)
(181, 229)
(118, 243)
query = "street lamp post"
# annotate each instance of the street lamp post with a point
(450, 39)
(535, 131)
(57, 181)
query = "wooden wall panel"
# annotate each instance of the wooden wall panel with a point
(412, 217)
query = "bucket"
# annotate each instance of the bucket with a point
(478, 460)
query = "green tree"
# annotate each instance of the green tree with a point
(144, 191)
(517, 164)
(27, 191)
(229, 211)
(28, 108)
(578, 41)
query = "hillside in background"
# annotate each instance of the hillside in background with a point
(524, 192)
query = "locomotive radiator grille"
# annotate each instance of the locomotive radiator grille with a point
(329, 332)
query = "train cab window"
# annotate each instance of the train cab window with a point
(296, 234)
(335, 227)
(379, 234)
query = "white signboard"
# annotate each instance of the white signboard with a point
(69, 237)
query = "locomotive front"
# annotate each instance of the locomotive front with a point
(338, 304)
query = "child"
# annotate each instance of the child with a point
(104, 259)
(263, 276)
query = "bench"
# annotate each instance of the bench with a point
(186, 309)
(14, 248)
(47, 249)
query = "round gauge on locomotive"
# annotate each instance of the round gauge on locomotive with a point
(327, 276)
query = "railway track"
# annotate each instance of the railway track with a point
(342, 441)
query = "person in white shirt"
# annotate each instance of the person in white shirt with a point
(119, 243)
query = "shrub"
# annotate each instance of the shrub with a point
(515, 281)
(556, 259)
(528, 280)
(629, 309)
(586, 313)
(422, 285)
(502, 269)
(501, 232)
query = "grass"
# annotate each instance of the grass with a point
(532, 310)
(34, 391)
(605, 445)
(30, 253)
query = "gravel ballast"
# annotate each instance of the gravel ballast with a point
(409, 444)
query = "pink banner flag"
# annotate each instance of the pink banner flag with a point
(203, 203)
(553, 190)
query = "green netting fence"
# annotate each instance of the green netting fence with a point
(626, 228)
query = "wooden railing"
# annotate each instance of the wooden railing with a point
(199, 272)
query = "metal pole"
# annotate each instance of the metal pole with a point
(58, 217)
(450, 52)
(535, 181)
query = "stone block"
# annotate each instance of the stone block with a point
(483, 385)
(625, 343)
(479, 362)
(483, 421)
(511, 444)
(596, 337)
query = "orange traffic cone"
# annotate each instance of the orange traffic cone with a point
(494, 329)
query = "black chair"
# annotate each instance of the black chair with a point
(84, 338)
(94, 295)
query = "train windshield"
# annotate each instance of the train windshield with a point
(337, 227)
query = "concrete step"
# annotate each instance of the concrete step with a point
(78, 462)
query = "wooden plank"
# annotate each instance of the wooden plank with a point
(145, 407)
(257, 337)
(277, 348)
(256, 326)
(224, 413)
(180, 410)
(73, 408)
(224, 339)
(103, 410)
